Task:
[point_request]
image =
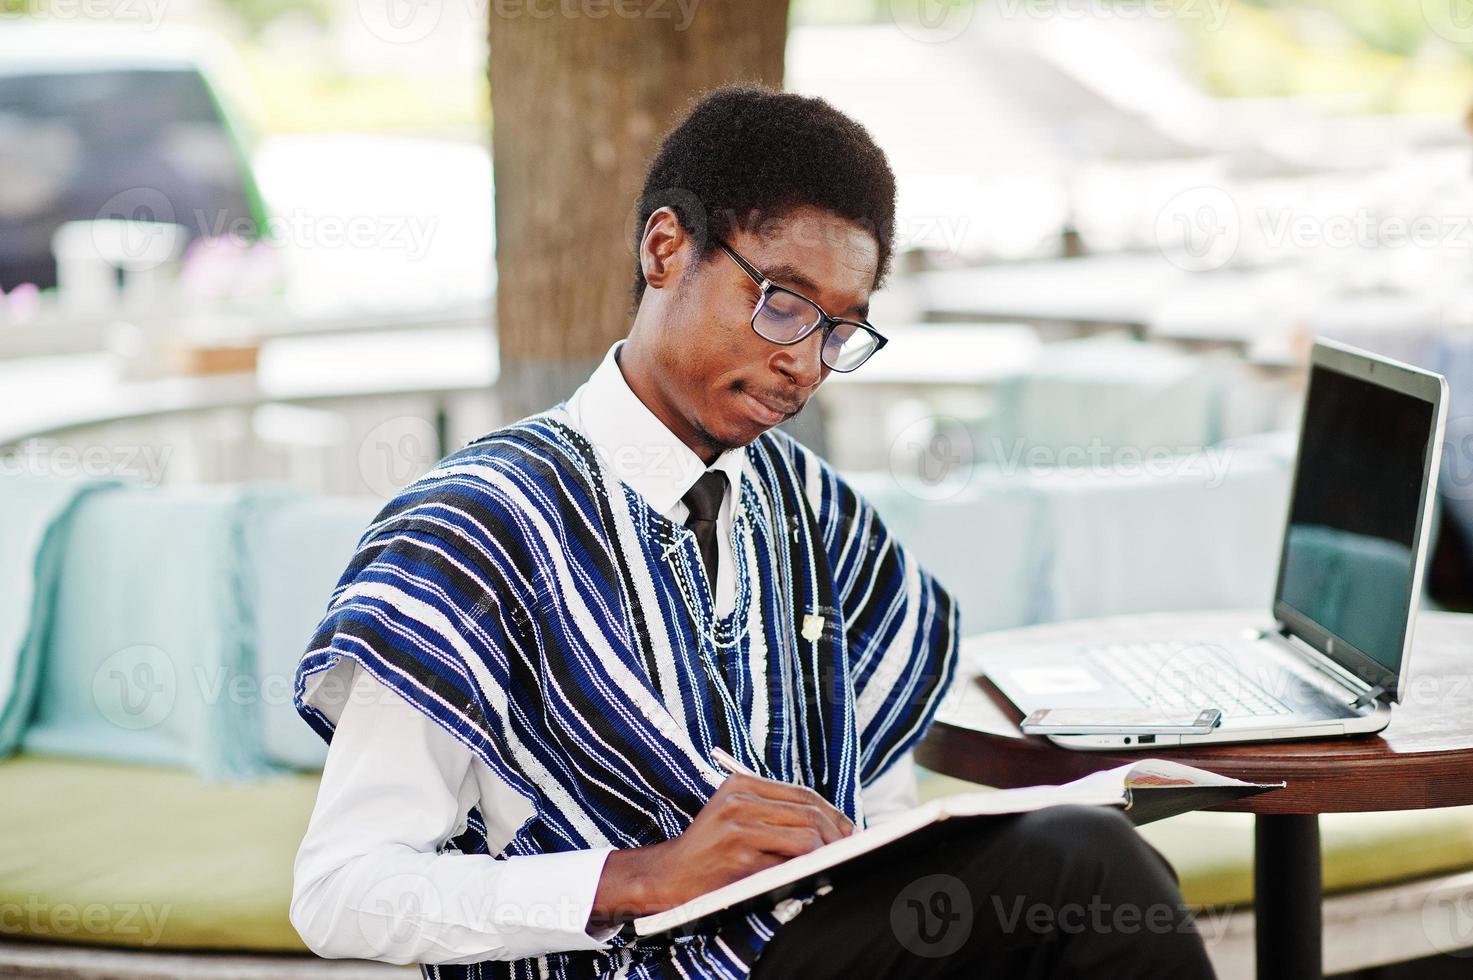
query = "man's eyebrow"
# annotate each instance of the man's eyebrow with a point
(787, 274)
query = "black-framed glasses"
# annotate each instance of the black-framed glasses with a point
(785, 317)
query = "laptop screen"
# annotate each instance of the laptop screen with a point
(1348, 565)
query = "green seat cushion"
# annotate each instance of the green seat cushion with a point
(146, 856)
(1213, 852)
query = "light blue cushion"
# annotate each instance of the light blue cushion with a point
(148, 658)
(1200, 534)
(1107, 391)
(37, 516)
(981, 540)
(296, 549)
(1028, 546)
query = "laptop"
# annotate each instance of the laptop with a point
(1350, 575)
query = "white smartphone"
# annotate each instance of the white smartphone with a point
(1120, 721)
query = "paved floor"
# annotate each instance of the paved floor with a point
(54, 961)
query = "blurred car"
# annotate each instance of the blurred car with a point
(93, 125)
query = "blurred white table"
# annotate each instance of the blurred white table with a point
(46, 395)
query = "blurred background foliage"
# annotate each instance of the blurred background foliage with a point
(1382, 55)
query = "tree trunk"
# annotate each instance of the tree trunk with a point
(581, 92)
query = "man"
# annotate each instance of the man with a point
(528, 666)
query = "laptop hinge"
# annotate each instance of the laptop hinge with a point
(1364, 693)
(1369, 697)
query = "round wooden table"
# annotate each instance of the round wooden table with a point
(1423, 759)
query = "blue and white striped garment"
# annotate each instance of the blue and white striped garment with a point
(547, 616)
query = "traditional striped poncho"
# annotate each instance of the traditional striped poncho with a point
(549, 618)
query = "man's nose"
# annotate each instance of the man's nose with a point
(802, 362)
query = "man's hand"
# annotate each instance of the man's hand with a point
(749, 824)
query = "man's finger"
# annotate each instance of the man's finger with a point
(782, 813)
(772, 789)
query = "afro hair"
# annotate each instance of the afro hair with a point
(746, 155)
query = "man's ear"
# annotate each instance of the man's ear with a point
(663, 251)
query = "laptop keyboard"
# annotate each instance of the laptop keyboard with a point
(1184, 675)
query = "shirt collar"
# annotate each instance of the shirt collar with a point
(636, 446)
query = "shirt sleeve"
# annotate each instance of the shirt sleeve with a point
(894, 792)
(368, 882)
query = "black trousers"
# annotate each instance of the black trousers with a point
(1067, 891)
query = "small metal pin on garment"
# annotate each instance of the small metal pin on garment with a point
(812, 627)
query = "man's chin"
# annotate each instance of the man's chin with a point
(735, 434)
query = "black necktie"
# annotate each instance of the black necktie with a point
(704, 502)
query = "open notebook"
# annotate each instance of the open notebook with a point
(1148, 790)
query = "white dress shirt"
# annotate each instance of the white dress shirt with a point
(367, 881)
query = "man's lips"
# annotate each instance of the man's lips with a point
(768, 410)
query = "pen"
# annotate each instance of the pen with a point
(729, 762)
